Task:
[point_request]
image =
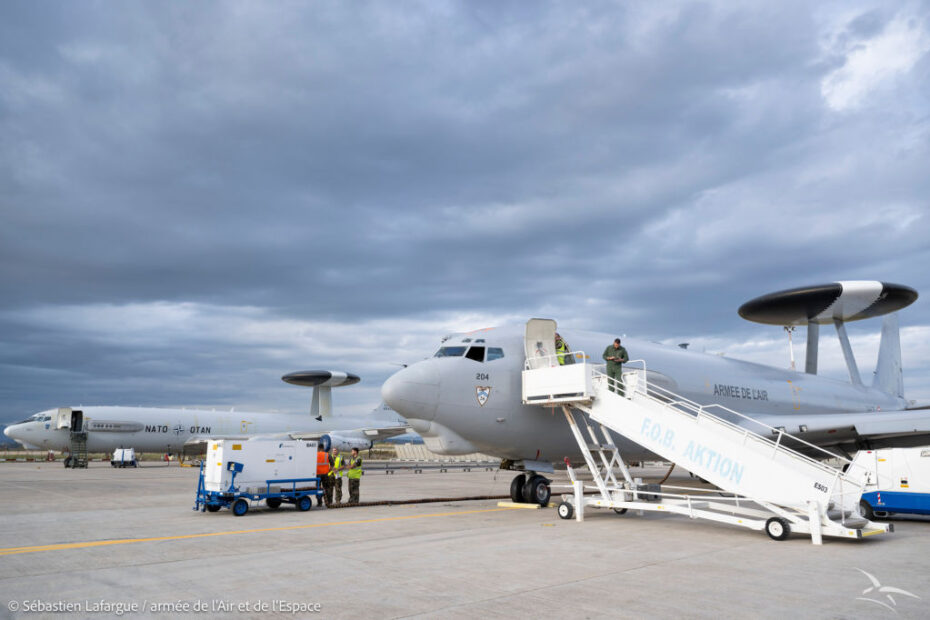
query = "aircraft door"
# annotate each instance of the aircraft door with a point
(77, 421)
(63, 418)
(539, 342)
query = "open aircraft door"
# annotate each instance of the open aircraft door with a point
(539, 342)
(63, 418)
(72, 419)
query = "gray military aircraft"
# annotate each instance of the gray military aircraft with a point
(467, 397)
(158, 429)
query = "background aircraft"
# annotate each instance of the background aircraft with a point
(169, 430)
(467, 397)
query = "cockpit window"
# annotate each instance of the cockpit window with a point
(495, 353)
(476, 353)
(450, 352)
(38, 417)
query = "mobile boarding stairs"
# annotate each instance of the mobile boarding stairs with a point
(766, 485)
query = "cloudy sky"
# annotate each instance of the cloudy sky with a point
(196, 198)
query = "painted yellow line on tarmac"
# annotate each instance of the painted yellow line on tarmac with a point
(129, 541)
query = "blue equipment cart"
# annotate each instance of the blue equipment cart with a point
(239, 501)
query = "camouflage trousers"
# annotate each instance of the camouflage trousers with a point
(337, 490)
(327, 486)
(353, 490)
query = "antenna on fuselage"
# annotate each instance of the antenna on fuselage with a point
(790, 330)
(837, 303)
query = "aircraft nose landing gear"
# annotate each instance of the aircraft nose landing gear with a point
(516, 489)
(534, 490)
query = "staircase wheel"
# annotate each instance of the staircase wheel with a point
(866, 509)
(620, 511)
(516, 489)
(777, 528)
(240, 507)
(566, 510)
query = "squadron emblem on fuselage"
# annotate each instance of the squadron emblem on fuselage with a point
(482, 393)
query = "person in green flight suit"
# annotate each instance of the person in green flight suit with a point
(615, 355)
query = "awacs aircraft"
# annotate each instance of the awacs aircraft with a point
(168, 430)
(467, 397)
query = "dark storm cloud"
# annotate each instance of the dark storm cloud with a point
(614, 163)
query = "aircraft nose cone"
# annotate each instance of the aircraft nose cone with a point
(6, 431)
(414, 391)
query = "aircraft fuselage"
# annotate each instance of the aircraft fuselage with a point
(460, 405)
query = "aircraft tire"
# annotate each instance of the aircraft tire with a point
(240, 507)
(304, 503)
(536, 491)
(866, 509)
(516, 489)
(777, 528)
(273, 502)
(566, 510)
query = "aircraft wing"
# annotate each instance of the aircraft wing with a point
(852, 431)
(374, 434)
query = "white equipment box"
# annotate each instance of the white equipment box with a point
(262, 460)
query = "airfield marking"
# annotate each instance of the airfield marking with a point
(129, 541)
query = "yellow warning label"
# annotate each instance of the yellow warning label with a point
(237, 446)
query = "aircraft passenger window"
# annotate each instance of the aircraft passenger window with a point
(479, 340)
(476, 353)
(495, 353)
(450, 352)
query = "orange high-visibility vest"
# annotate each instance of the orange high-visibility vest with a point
(322, 463)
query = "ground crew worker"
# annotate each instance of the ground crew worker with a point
(562, 347)
(354, 475)
(335, 473)
(615, 355)
(322, 472)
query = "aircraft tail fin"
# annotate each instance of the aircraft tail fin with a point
(888, 373)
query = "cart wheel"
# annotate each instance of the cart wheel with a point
(620, 511)
(273, 502)
(566, 510)
(240, 507)
(777, 528)
(866, 509)
(213, 507)
(304, 503)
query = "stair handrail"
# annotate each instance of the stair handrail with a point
(684, 405)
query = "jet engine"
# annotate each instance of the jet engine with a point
(345, 441)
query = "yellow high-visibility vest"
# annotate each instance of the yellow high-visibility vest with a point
(355, 471)
(337, 463)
